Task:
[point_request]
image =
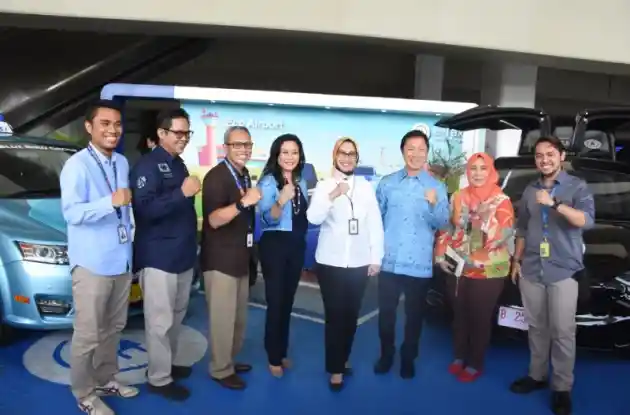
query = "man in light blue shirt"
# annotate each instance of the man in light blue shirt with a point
(414, 206)
(95, 201)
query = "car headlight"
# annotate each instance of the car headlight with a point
(47, 254)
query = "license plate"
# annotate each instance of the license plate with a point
(135, 294)
(512, 317)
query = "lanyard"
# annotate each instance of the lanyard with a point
(354, 182)
(236, 179)
(109, 184)
(240, 187)
(545, 214)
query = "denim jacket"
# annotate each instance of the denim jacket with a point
(270, 194)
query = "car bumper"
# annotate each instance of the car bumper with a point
(39, 296)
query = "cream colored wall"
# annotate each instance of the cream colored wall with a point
(576, 29)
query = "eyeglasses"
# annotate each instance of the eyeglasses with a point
(350, 154)
(240, 145)
(181, 135)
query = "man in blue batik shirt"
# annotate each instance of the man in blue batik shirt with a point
(95, 200)
(414, 206)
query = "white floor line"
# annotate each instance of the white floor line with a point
(369, 316)
(294, 314)
(307, 284)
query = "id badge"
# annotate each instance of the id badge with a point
(476, 239)
(353, 226)
(123, 236)
(544, 249)
(250, 240)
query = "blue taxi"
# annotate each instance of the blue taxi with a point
(35, 281)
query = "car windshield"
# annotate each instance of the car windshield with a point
(611, 190)
(31, 171)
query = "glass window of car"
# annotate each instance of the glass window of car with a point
(31, 170)
(564, 133)
(611, 189)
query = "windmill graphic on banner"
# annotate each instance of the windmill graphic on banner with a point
(208, 152)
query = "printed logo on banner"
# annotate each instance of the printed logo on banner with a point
(49, 357)
(424, 128)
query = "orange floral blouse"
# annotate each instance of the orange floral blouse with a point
(480, 236)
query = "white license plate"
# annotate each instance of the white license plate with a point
(512, 317)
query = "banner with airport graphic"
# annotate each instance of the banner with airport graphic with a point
(377, 132)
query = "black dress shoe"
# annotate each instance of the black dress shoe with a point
(407, 370)
(180, 372)
(527, 385)
(171, 391)
(383, 365)
(561, 403)
(348, 371)
(233, 381)
(242, 367)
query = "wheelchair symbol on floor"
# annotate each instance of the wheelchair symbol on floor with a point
(49, 357)
(125, 349)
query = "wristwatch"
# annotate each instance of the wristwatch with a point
(556, 203)
(240, 207)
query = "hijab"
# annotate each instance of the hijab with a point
(338, 144)
(489, 189)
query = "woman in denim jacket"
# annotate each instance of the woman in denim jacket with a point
(283, 242)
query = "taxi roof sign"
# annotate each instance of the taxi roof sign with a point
(5, 128)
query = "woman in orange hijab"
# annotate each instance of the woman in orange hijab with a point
(482, 219)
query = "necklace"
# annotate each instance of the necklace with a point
(296, 202)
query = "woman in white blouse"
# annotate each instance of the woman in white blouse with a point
(349, 250)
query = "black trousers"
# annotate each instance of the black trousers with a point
(281, 259)
(390, 286)
(474, 302)
(342, 293)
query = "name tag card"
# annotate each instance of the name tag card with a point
(250, 240)
(123, 236)
(545, 250)
(353, 226)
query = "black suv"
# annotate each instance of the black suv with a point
(604, 322)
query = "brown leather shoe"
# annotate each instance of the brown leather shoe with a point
(242, 367)
(233, 381)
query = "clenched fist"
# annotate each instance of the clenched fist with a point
(431, 196)
(341, 189)
(287, 193)
(252, 196)
(121, 197)
(544, 198)
(191, 186)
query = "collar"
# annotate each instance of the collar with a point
(159, 151)
(403, 175)
(230, 166)
(560, 178)
(101, 156)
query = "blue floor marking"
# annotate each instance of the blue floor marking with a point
(601, 381)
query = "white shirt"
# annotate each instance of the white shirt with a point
(336, 247)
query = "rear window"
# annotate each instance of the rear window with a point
(596, 143)
(611, 190)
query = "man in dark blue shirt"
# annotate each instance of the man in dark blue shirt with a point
(165, 247)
